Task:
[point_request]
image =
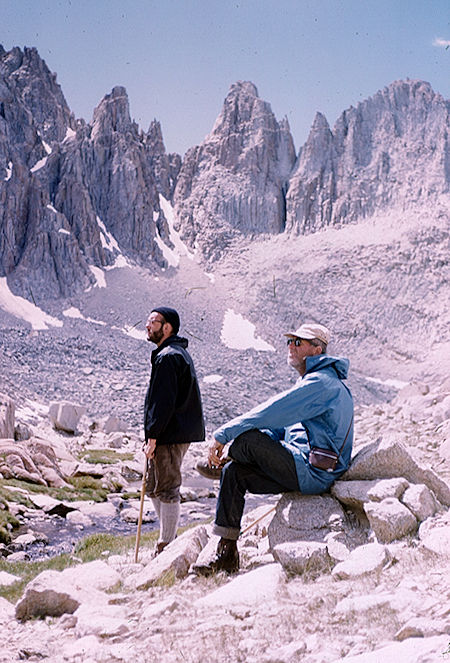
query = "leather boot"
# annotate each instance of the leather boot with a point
(159, 548)
(226, 559)
(209, 471)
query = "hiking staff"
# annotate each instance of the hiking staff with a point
(255, 522)
(173, 418)
(141, 512)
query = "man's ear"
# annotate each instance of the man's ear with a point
(317, 350)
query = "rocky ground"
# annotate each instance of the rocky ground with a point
(395, 601)
(398, 607)
(381, 286)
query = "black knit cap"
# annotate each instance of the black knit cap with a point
(169, 315)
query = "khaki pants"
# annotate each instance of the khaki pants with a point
(164, 472)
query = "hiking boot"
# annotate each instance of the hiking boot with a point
(208, 471)
(160, 547)
(226, 559)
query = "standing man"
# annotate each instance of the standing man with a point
(272, 444)
(173, 418)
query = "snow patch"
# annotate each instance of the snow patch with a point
(9, 170)
(40, 164)
(180, 247)
(47, 147)
(397, 384)
(31, 409)
(172, 258)
(119, 262)
(99, 276)
(74, 312)
(239, 334)
(70, 133)
(63, 231)
(107, 239)
(51, 208)
(22, 308)
(212, 379)
(135, 332)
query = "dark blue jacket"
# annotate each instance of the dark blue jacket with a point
(173, 408)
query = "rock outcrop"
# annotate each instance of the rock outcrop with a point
(388, 458)
(365, 559)
(307, 518)
(309, 534)
(329, 554)
(7, 409)
(391, 150)
(65, 416)
(120, 182)
(73, 195)
(176, 559)
(34, 461)
(57, 593)
(235, 181)
(165, 167)
(34, 117)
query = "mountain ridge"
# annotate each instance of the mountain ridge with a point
(66, 182)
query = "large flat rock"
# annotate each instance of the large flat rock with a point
(176, 558)
(306, 518)
(413, 650)
(54, 593)
(388, 458)
(252, 588)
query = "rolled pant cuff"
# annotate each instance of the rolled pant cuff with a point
(226, 532)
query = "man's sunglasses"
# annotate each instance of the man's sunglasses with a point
(295, 341)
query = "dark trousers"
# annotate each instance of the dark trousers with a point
(260, 465)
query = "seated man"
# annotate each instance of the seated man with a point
(271, 448)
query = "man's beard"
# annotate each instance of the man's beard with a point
(295, 363)
(155, 336)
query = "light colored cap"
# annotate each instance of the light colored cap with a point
(311, 330)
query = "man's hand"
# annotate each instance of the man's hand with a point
(149, 448)
(215, 453)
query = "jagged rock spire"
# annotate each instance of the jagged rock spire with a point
(75, 194)
(165, 167)
(392, 149)
(235, 180)
(113, 113)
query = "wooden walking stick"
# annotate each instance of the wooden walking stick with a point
(141, 512)
(257, 520)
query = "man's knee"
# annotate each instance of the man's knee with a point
(244, 440)
(169, 495)
(243, 447)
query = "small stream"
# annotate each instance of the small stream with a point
(62, 536)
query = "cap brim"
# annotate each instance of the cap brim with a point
(307, 338)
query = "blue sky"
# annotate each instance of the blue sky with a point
(178, 58)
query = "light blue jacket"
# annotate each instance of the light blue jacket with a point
(319, 407)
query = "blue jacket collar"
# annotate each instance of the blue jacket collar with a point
(319, 362)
